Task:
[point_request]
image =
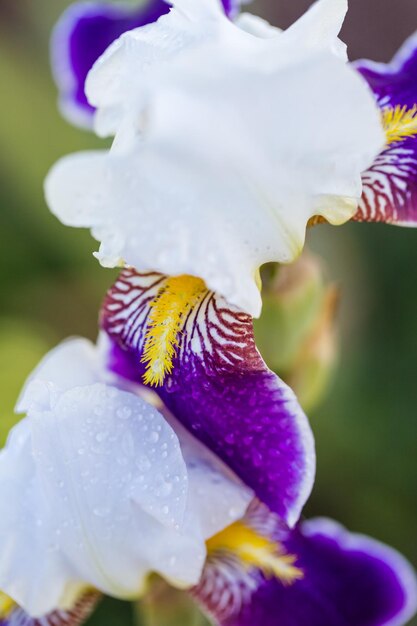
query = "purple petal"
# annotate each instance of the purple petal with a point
(393, 83)
(81, 36)
(349, 580)
(221, 390)
(231, 7)
(74, 617)
(390, 185)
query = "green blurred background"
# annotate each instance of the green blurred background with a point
(51, 286)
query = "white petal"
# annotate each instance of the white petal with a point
(201, 10)
(111, 83)
(106, 493)
(320, 26)
(216, 497)
(71, 364)
(95, 503)
(26, 541)
(223, 150)
(218, 200)
(256, 26)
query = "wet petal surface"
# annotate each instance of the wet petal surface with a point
(220, 389)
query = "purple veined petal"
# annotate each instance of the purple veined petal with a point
(84, 32)
(221, 390)
(349, 580)
(390, 185)
(72, 617)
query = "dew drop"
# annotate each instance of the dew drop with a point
(154, 437)
(233, 512)
(101, 511)
(143, 464)
(124, 413)
(165, 489)
(128, 444)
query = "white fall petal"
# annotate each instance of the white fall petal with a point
(108, 490)
(226, 143)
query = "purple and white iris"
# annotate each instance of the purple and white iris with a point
(219, 388)
(113, 488)
(388, 178)
(109, 490)
(218, 199)
(81, 36)
(390, 185)
(170, 447)
(346, 580)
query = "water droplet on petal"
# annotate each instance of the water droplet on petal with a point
(154, 437)
(101, 511)
(124, 413)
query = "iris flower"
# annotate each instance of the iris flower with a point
(226, 144)
(171, 448)
(84, 32)
(87, 29)
(112, 488)
(390, 185)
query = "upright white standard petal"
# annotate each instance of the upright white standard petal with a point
(107, 491)
(112, 86)
(257, 26)
(321, 24)
(226, 144)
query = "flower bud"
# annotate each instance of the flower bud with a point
(296, 332)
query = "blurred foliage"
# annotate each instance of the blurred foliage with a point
(21, 347)
(291, 301)
(296, 333)
(165, 606)
(112, 612)
(366, 431)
